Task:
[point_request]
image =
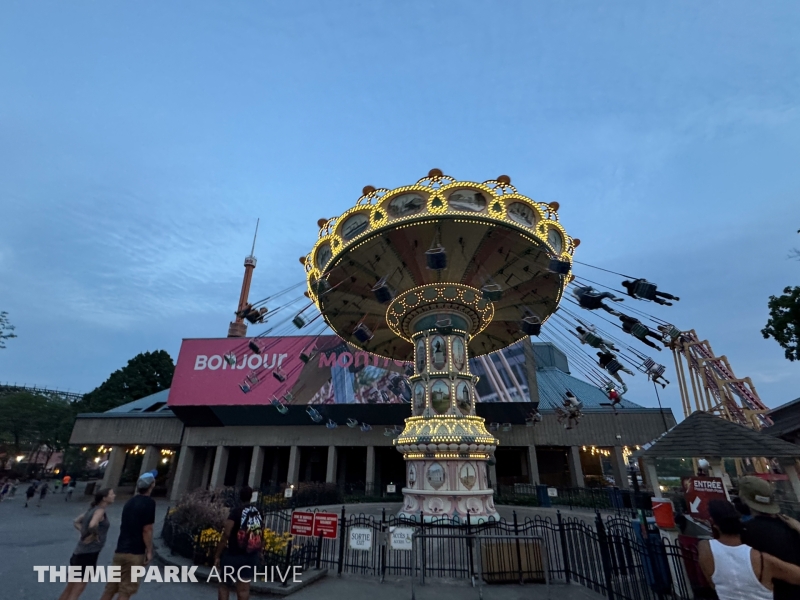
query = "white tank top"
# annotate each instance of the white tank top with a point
(733, 576)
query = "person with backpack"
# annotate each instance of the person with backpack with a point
(240, 546)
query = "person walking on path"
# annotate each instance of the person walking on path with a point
(43, 489)
(93, 526)
(769, 531)
(65, 481)
(240, 546)
(737, 571)
(56, 486)
(30, 493)
(70, 489)
(135, 543)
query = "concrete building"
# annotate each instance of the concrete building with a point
(235, 440)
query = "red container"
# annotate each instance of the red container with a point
(663, 513)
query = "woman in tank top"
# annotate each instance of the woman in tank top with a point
(737, 571)
(93, 526)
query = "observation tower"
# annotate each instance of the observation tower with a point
(435, 273)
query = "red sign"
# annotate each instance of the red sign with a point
(326, 525)
(315, 524)
(302, 523)
(700, 491)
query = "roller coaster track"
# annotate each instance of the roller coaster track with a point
(12, 388)
(709, 384)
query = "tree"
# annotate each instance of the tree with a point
(784, 322)
(145, 374)
(6, 329)
(17, 419)
(31, 424)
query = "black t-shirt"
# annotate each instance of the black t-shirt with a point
(138, 512)
(773, 536)
(247, 533)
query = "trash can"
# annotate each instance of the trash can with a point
(90, 488)
(663, 513)
(542, 496)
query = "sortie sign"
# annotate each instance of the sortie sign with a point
(700, 491)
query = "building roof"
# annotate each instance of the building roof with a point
(553, 383)
(702, 434)
(154, 403)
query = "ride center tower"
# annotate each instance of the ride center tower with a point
(436, 273)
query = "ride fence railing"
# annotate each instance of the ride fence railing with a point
(613, 555)
(604, 499)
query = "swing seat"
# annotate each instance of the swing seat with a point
(314, 414)
(279, 375)
(252, 378)
(366, 427)
(645, 290)
(639, 331)
(299, 321)
(362, 333)
(531, 326)
(287, 397)
(436, 258)
(352, 422)
(245, 387)
(305, 357)
(282, 408)
(230, 359)
(382, 292)
(613, 366)
(559, 267)
(506, 427)
(254, 347)
(388, 432)
(494, 426)
(331, 424)
(255, 316)
(492, 292)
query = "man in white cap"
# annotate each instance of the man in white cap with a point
(769, 531)
(135, 544)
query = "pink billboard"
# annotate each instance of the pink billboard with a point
(294, 370)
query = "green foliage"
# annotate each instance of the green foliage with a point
(6, 329)
(28, 421)
(145, 374)
(784, 322)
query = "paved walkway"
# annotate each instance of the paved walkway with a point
(44, 536)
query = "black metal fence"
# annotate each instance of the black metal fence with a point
(609, 555)
(595, 499)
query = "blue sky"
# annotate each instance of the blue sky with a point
(140, 141)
